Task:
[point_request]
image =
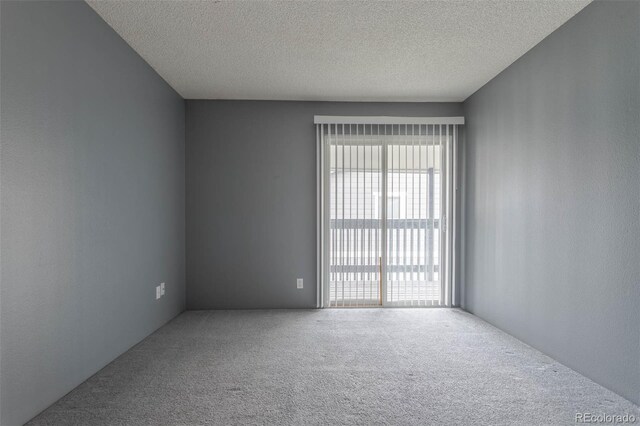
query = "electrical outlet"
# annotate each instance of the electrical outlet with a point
(158, 292)
(299, 283)
(162, 289)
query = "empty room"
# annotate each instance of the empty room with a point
(282, 212)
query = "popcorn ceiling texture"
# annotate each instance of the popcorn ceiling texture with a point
(341, 51)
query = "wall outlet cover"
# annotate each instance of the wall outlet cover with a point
(158, 292)
(299, 283)
(162, 289)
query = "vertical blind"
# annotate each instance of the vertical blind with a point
(385, 194)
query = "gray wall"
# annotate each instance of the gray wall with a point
(92, 208)
(553, 197)
(251, 198)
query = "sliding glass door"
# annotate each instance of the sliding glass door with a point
(386, 192)
(355, 219)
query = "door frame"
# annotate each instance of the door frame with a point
(449, 212)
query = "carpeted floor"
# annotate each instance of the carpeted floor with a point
(332, 366)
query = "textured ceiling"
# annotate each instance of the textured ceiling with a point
(333, 50)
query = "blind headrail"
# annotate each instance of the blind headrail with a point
(332, 119)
